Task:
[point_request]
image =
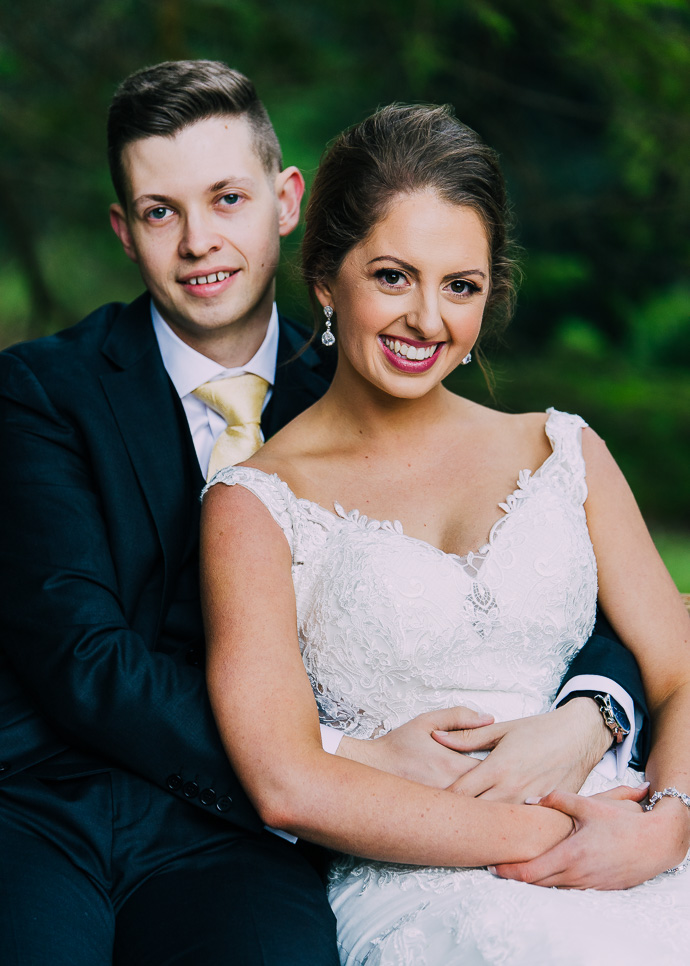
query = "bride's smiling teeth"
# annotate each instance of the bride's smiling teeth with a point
(208, 279)
(407, 351)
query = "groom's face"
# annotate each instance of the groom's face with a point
(203, 222)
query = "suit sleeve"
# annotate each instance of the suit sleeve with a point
(604, 656)
(101, 686)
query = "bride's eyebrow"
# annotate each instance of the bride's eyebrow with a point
(392, 258)
(464, 272)
(411, 268)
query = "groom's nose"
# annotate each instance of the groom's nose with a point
(199, 235)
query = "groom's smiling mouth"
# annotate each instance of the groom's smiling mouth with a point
(208, 283)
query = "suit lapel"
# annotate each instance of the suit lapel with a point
(300, 380)
(150, 419)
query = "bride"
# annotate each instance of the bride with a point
(414, 551)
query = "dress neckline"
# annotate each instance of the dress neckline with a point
(512, 501)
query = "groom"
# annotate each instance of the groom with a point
(124, 835)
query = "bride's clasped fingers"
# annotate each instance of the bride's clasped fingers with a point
(411, 752)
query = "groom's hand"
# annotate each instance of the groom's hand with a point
(410, 751)
(532, 756)
(614, 845)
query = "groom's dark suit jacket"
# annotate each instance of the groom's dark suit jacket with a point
(101, 634)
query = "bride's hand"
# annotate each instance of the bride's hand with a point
(410, 751)
(615, 844)
(532, 756)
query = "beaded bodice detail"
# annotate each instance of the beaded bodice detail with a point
(390, 626)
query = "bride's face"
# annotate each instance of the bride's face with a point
(409, 298)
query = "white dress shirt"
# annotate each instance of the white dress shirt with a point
(189, 369)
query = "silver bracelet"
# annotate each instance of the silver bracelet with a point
(685, 799)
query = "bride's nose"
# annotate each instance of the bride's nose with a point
(425, 317)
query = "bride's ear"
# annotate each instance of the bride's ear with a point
(322, 291)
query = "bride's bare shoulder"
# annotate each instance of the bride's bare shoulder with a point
(495, 420)
(520, 436)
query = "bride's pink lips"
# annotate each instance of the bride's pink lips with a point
(411, 365)
(208, 289)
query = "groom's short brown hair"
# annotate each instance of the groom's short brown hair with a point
(163, 99)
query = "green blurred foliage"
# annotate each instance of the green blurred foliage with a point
(674, 549)
(586, 100)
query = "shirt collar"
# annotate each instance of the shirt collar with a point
(189, 369)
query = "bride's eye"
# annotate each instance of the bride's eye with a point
(391, 277)
(460, 286)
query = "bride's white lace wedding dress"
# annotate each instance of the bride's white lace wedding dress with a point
(390, 626)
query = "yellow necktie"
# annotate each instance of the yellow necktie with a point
(238, 399)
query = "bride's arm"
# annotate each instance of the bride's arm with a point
(268, 721)
(617, 846)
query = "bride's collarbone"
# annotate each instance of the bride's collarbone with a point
(450, 499)
(452, 519)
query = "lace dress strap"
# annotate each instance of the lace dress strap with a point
(273, 492)
(566, 465)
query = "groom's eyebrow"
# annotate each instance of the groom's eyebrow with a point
(143, 199)
(231, 182)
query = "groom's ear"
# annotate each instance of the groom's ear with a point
(289, 188)
(119, 224)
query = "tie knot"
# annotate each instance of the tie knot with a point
(238, 399)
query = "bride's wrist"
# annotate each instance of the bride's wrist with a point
(670, 819)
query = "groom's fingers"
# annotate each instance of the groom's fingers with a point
(623, 793)
(560, 862)
(491, 782)
(546, 870)
(568, 802)
(584, 807)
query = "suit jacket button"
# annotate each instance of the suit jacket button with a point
(207, 797)
(193, 657)
(223, 803)
(174, 782)
(190, 789)
(4, 766)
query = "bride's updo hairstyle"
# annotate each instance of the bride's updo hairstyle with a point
(402, 149)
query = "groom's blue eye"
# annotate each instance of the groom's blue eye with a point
(231, 199)
(157, 214)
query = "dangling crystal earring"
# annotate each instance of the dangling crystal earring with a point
(467, 359)
(328, 338)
